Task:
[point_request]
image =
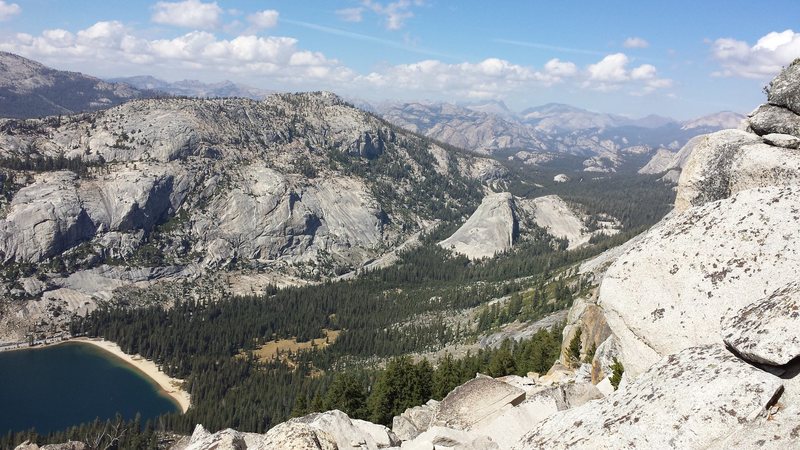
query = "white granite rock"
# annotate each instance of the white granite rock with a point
(706, 174)
(477, 400)
(488, 231)
(784, 89)
(688, 400)
(769, 119)
(414, 421)
(447, 438)
(782, 140)
(347, 433)
(768, 330)
(670, 290)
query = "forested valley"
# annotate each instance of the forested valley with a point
(383, 316)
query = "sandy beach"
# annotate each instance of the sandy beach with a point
(168, 384)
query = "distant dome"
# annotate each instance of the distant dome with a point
(561, 178)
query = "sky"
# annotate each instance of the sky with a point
(677, 58)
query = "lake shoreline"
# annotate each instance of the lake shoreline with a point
(170, 387)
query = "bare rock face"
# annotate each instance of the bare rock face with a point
(447, 438)
(668, 292)
(775, 431)
(766, 331)
(784, 89)
(44, 219)
(586, 316)
(70, 445)
(688, 400)
(770, 119)
(413, 421)
(560, 220)
(349, 433)
(488, 231)
(782, 140)
(330, 430)
(296, 436)
(474, 401)
(706, 175)
(227, 439)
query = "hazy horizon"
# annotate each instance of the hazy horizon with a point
(682, 60)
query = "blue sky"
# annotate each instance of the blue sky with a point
(676, 58)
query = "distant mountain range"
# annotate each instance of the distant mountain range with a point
(540, 134)
(30, 89)
(195, 88)
(533, 136)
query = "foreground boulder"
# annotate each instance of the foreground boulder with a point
(715, 163)
(414, 421)
(296, 436)
(347, 432)
(514, 422)
(330, 430)
(448, 438)
(784, 89)
(477, 400)
(671, 289)
(688, 400)
(766, 331)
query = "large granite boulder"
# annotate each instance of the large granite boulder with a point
(671, 289)
(294, 435)
(347, 432)
(44, 219)
(688, 400)
(770, 119)
(706, 174)
(475, 401)
(767, 331)
(414, 421)
(449, 438)
(784, 89)
(227, 439)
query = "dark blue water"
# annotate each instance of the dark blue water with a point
(55, 387)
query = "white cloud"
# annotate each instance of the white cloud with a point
(490, 78)
(612, 73)
(112, 48)
(187, 14)
(635, 42)
(264, 19)
(8, 10)
(116, 48)
(764, 59)
(560, 68)
(394, 13)
(609, 69)
(351, 14)
(643, 72)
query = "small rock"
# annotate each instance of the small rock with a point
(782, 140)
